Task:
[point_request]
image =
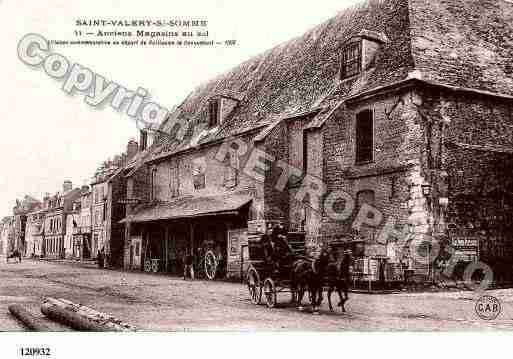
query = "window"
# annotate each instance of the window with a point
(198, 173)
(213, 113)
(305, 152)
(174, 184)
(153, 184)
(231, 169)
(364, 137)
(351, 60)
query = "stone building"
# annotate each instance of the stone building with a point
(72, 247)
(108, 192)
(34, 233)
(20, 211)
(82, 232)
(99, 189)
(7, 235)
(57, 208)
(391, 121)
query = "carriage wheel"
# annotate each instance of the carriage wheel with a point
(147, 265)
(254, 287)
(210, 265)
(270, 293)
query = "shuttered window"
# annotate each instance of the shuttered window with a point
(351, 60)
(364, 137)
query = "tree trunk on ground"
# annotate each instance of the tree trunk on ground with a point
(28, 319)
(80, 317)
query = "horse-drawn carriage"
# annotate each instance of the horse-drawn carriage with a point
(295, 273)
(264, 276)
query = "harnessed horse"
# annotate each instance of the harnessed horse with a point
(313, 275)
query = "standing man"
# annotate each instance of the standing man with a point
(188, 265)
(100, 259)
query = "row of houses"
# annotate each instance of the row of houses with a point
(402, 108)
(74, 223)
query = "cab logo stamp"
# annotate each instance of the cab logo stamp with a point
(488, 307)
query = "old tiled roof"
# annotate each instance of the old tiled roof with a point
(297, 76)
(467, 43)
(188, 207)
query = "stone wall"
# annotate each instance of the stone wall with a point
(470, 164)
(394, 175)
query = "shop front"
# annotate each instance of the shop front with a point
(160, 236)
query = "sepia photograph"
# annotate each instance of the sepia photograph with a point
(265, 167)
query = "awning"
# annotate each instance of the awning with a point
(190, 207)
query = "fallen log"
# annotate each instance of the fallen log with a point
(28, 319)
(80, 317)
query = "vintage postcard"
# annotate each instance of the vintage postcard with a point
(237, 166)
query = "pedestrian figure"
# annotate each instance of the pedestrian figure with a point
(188, 268)
(100, 258)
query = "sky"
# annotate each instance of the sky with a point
(49, 136)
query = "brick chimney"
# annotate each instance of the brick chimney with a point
(46, 200)
(131, 148)
(143, 142)
(67, 186)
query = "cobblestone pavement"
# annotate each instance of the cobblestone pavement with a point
(164, 303)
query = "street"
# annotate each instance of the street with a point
(164, 303)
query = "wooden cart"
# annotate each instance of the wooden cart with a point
(261, 276)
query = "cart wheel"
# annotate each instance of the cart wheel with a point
(270, 293)
(147, 265)
(254, 286)
(210, 265)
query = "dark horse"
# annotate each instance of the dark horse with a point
(302, 279)
(336, 277)
(314, 275)
(14, 254)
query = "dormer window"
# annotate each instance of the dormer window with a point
(360, 52)
(213, 113)
(351, 60)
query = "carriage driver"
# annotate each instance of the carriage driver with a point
(282, 252)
